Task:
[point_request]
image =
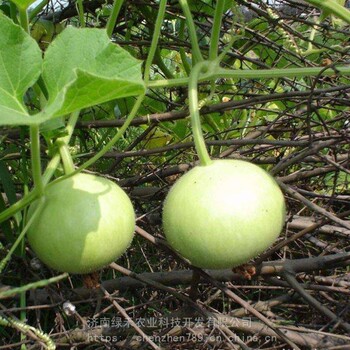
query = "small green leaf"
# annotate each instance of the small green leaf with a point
(20, 67)
(83, 68)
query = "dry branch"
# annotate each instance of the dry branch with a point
(184, 277)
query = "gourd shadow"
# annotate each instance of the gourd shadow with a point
(76, 229)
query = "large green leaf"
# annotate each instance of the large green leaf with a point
(20, 67)
(82, 68)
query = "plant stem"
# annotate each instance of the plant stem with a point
(155, 38)
(24, 158)
(23, 315)
(37, 212)
(36, 158)
(215, 34)
(161, 65)
(182, 50)
(23, 19)
(199, 143)
(332, 7)
(37, 9)
(24, 328)
(39, 284)
(279, 73)
(234, 35)
(196, 52)
(55, 160)
(110, 144)
(13, 12)
(66, 157)
(51, 168)
(45, 178)
(112, 20)
(73, 118)
(19, 205)
(157, 58)
(253, 74)
(80, 10)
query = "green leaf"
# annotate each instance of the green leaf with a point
(20, 67)
(83, 68)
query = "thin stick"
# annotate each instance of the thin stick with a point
(289, 277)
(129, 319)
(313, 206)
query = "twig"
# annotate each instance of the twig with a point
(298, 235)
(293, 158)
(130, 320)
(145, 280)
(312, 206)
(248, 307)
(289, 277)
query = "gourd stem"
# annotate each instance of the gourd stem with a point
(199, 142)
(73, 118)
(113, 16)
(51, 168)
(53, 164)
(108, 146)
(66, 157)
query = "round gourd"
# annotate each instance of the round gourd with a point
(86, 223)
(223, 214)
